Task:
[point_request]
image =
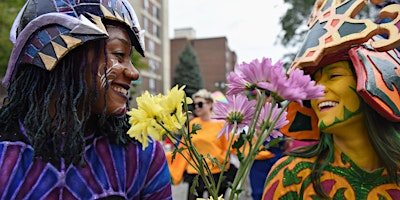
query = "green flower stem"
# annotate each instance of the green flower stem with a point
(169, 135)
(195, 158)
(227, 155)
(201, 164)
(172, 137)
(264, 136)
(254, 119)
(243, 172)
(187, 142)
(245, 165)
(199, 161)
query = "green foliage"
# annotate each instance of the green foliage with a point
(195, 128)
(194, 185)
(137, 61)
(294, 22)
(238, 145)
(187, 72)
(9, 10)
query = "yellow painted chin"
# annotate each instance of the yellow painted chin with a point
(347, 122)
(330, 116)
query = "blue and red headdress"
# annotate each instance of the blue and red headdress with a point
(335, 35)
(46, 30)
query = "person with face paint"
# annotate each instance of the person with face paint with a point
(63, 128)
(358, 119)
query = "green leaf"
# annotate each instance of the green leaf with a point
(214, 161)
(239, 142)
(274, 142)
(195, 128)
(194, 185)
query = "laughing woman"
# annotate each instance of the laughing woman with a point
(358, 155)
(63, 130)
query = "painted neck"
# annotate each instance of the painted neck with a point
(353, 140)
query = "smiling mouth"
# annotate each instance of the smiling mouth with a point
(120, 90)
(327, 105)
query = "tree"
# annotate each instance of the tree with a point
(9, 10)
(139, 64)
(187, 72)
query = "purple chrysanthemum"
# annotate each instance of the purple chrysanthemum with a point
(247, 76)
(236, 83)
(308, 86)
(269, 115)
(238, 110)
(296, 87)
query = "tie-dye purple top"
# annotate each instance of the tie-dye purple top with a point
(111, 171)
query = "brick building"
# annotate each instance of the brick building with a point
(214, 56)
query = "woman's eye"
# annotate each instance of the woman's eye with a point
(334, 75)
(120, 55)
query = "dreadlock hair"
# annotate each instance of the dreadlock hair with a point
(60, 135)
(385, 139)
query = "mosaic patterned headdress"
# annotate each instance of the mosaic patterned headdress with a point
(335, 35)
(46, 30)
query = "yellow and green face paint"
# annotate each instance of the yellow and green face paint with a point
(341, 103)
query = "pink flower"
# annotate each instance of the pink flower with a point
(236, 83)
(304, 82)
(238, 110)
(247, 76)
(273, 77)
(269, 115)
(296, 87)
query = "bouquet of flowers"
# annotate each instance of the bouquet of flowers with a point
(159, 116)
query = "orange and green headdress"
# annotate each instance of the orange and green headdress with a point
(336, 35)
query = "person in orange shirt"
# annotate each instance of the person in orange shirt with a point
(207, 143)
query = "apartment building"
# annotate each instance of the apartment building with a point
(153, 18)
(214, 56)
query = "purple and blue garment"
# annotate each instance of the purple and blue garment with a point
(111, 171)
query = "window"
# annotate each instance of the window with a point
(146, 4)
(145, 23)
(152, 85)
(151, 47)
(156, 31)
(154, 65)
(156, 13)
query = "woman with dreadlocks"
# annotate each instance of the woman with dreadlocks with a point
(358, 119)
(63, 128)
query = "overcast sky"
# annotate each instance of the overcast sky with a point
(251, 26)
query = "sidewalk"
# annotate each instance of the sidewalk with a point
(179, 192)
